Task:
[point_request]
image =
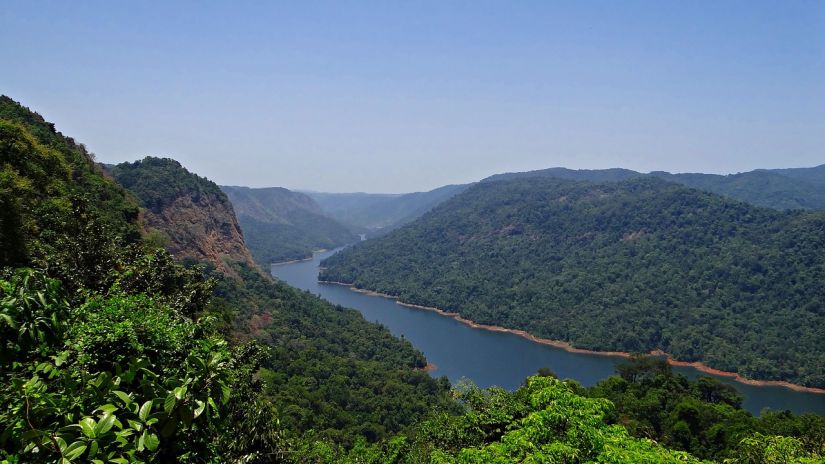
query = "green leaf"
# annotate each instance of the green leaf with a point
(145, 410)
(123, 397)
(74, 451)
(200, 408)
(135, 425)
(105, 424)
(169, 403)
(180, 392)
(152, 441)
(107, 408)
(87, 425)
(225, 393)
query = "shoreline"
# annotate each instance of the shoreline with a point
(293, 261)
(282, 263)
(698, 365)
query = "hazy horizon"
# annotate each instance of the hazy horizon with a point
(392, 98)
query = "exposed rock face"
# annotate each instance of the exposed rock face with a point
(192, 214)
(201, 227)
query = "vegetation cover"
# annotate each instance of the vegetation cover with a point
(647, 414)
(783, 189)
(281, 225)
(113, 351)
(633, 266)
(327, 369)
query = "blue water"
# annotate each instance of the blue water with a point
(493, 358)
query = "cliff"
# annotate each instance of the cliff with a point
(191, 216)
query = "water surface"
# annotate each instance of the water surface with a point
(494, 358)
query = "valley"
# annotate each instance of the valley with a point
(488, 357)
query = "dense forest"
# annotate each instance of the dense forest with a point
(795, 188)
(281, 225)
(112, 350)
(632, 266)
(321, 357)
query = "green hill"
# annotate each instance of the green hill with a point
(281, 225)
(637, 265)
(112, 350)
(321, 357)
(783, 189)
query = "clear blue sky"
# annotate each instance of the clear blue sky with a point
(396, 96)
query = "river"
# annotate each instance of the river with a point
(493, 358)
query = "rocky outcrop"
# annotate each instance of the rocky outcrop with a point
(203, 228)
(189, 214)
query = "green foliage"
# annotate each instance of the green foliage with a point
(545, 421)
(797, 188)
(155, 182)
(101, 357)
(760, 449)
(633, 266)
(119, 379)
(329, 370)
(703, 417)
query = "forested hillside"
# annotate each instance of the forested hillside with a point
(375, 213)
(633, 266)
(103, 355)
(281, 225)
(797, 188)
(113, 351)
(321, 357)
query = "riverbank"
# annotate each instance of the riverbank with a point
(699, 366)
(283, 263)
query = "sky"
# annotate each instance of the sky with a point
(399, 96)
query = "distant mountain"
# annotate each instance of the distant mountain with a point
(798, 188)
(281, 225)
(189, 212)
(637, 265)
(373, 212)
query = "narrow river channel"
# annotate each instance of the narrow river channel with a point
(492, 358)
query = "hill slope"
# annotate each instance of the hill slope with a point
(379, 213)
(637, 265)
(191, 212)
(378, 387)
(125, 323)
(798, 188)
(281, 225)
